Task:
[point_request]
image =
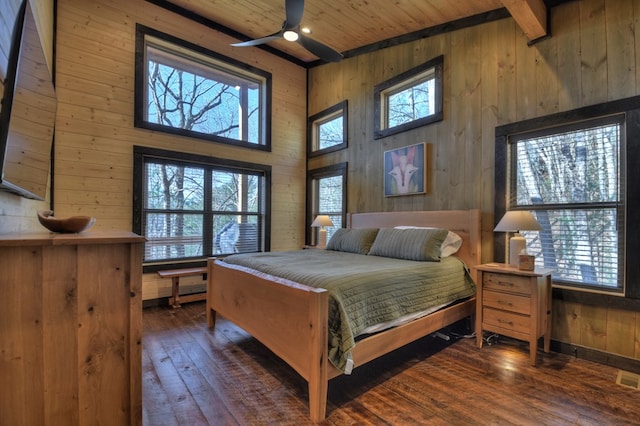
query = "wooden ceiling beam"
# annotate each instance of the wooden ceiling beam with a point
(530, 15)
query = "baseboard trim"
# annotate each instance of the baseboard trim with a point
(590, 354)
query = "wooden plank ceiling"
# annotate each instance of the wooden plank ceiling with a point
(347, 25)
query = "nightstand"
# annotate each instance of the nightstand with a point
(514, 303)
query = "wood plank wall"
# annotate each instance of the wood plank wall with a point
(491, 77)
(18, 214)
(94, 129)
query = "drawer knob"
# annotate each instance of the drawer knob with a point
(503, 302)
(501, 321)
(505, 283)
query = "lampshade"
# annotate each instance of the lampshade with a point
(322, 220)
(514, 221)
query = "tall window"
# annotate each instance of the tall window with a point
(327, 189)
(409, 100)
(184, 89)
(571, 178)
(190, 207)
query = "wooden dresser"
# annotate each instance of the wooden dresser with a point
(71, 328)
(514, 303)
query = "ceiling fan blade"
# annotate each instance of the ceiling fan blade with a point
(322, 51)
(294, 10)
(258, 41)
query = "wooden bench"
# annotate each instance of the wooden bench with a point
(175, 275)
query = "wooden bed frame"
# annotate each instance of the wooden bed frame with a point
(291, 319)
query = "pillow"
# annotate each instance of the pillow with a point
(352, 240)
(450, 245)
(409, 244)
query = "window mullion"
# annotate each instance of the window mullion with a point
(207, 219)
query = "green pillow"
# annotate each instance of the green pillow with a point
(409, 244)
(352, 240)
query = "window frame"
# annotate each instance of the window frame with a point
(313, 129)
(313, 175)
(630, 107)
(403, 81)
(226, 64)
(143, 154)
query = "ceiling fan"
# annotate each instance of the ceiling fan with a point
(291, 31)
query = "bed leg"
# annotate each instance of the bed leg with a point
(211, 318)
(211, 314)
(318, 400)
(318, 373)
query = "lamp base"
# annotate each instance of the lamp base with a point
(517, 243)
(322, 238)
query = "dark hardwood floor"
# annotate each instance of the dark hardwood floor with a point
(196, 376)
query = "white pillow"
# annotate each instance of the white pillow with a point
(449, 246)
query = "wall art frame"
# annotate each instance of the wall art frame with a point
(405, 170)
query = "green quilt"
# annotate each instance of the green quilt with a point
(365, 290)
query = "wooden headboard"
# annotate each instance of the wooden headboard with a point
(466, 223)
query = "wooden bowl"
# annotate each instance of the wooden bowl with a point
(71, 224)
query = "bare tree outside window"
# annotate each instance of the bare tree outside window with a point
(411, 103)
(327, 130)
(195, 210)
(184, 89)
(571, 180)
(199, 209)
(330, 201)
(327, 195)
(200, 99)
(331, 133)
(175, 201)
(409, 100)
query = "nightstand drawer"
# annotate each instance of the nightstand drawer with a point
(507, 320)
(506, 282)
(507, 302)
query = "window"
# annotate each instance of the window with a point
(191, 207)
(409, 100)
(326, 189)
(184, 89)
(328, 130)
(571, 178)
(574, 171)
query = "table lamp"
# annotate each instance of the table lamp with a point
(321, 221)
(516, 221)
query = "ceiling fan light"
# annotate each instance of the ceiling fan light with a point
(306, 30)
(290, 35)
